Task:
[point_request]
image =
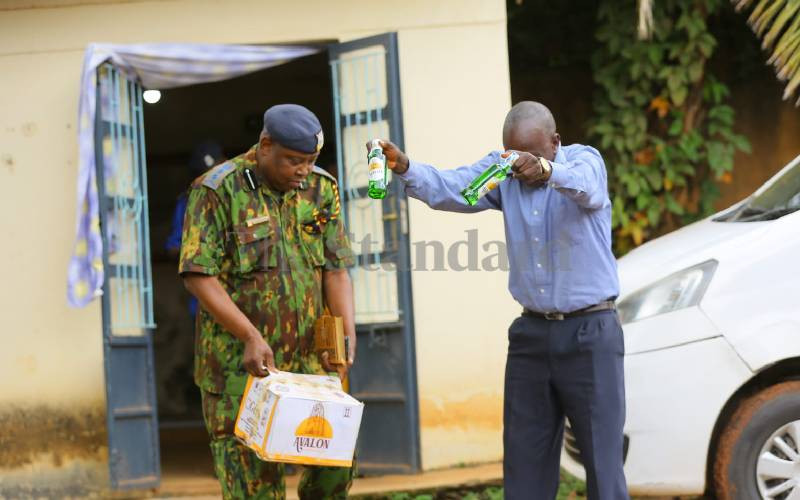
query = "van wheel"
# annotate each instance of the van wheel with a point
(758, 455)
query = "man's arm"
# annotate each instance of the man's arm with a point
(202, 250)
(215, 300)
(338, 291)
(582, 177)
(441, 189)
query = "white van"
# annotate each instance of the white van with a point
(711, 315)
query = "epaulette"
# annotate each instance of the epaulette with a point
(214, 177)
(321, 171)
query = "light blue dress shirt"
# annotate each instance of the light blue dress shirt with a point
(558, 236)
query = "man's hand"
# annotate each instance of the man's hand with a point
(343, 369)
(259, 360)
(215, 300)
(396, 160)
(528, 169)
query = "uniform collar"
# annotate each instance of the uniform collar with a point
(278, 195)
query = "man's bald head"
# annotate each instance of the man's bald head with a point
(529, 126)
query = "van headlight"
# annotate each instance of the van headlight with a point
(682, 289)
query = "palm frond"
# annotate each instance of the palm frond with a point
(777, 23)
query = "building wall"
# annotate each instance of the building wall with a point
(461, 317)
(455, 85)
(52, 406)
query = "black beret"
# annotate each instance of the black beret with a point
(294, 127)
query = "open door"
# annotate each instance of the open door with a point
(127, 300)
(366, 95)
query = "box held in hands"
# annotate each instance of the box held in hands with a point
(303, 419)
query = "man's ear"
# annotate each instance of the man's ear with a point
(265, 143)
(556, 140)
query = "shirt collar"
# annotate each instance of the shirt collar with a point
(275, 194)
(561, 157)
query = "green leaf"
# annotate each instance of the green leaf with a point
(741, 143)
(722, 113)
(631, 186)
(642, 201)
(678, 95)
(617, 211)
(675, 80)
(655, 53)
(619, 144)
(706, 44)
(677, 126)
(672, 205)
(720, 157)
(654, 213)
(695, 71)
(655, 178)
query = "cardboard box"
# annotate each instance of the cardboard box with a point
(302, 419)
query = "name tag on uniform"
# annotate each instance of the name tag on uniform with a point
(257, 220)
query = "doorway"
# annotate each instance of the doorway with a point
(229, 115)
(353, 88)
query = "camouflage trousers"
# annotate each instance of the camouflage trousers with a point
(243, 475)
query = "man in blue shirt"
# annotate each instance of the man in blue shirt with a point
(565, 353)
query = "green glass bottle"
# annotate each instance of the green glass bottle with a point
(489, 179)
(378, 173)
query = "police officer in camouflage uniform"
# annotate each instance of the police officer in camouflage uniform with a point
(264, 246)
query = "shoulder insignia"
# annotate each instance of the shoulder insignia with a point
(213, 178)
(321, 171)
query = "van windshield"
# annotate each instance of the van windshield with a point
(779, 198)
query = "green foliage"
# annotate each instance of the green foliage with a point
(660, 118)
(476, 492)
(570, 487)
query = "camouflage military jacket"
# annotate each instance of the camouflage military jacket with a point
(268, 249)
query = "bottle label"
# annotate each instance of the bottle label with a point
(491, 184)
(376, 169)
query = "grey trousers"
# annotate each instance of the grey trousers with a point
(572, 368)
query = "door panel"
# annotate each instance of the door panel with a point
(127, 300)
(366, 95)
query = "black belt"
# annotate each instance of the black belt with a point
(558, 316)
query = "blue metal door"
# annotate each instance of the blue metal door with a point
(127, 289)
(366, 93)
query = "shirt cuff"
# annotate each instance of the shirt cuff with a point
(191, 267)
(412, 172)
(559, 177)
(344, 259)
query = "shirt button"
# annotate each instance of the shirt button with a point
(535, 212)
(539, 265)
(541, 290)
(536, 240)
